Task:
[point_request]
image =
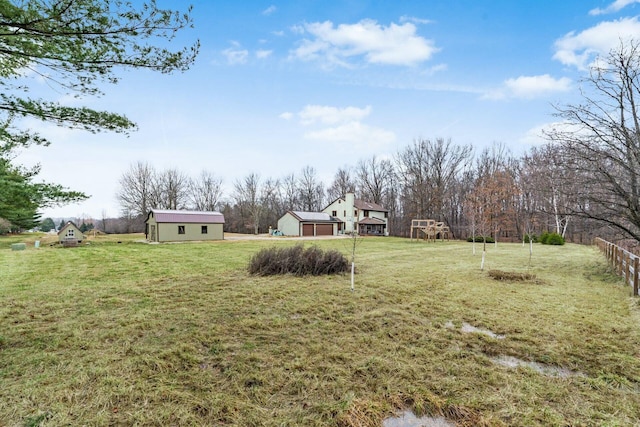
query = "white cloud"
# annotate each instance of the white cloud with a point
(536, 86)
(355, 132)
(268, 11)
(236, 56)
(530, 87)
(342, 125)
(578, 49)
(331, 115)
(262, 54)
(377, 44)
(616, 6)
(415, 20)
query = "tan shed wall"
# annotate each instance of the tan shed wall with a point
(168, 232)
(77, 236)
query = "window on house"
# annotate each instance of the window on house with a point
(181, 229)
(334, 213)
(386, 214)
(344, 213)
(204, 229)
(71, 232)
(366, 214)
(355, 213)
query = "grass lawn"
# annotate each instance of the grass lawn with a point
(179, 334)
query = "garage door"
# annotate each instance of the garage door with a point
(307, 229)
(324, 229)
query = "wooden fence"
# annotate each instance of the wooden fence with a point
(623, 262)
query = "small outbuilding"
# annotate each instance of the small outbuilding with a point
(183, 226)
(70, 234)
(297, 223)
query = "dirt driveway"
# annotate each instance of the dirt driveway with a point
(265, 236)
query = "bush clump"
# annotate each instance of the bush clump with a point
(530, 238)
(298, 261)
(551, 239)
(480, 239)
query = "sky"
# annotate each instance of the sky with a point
(280, 85)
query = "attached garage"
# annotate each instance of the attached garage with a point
(308, 224)
(324, 229)
(308, 230)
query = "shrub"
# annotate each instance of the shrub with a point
(530, 238)
(544, 237)
(547, 238)
(554, 239)
(297, 261)
(480, 239)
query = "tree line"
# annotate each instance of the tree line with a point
(492, 193)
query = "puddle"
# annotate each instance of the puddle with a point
(408, 419)
(553, 371)
(467, 329)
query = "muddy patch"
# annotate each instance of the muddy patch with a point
(409, 419)
(470, 329)
(552, 371)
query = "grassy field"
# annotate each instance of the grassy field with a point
(119, 332)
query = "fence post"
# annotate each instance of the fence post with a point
(627, 267)
(636, 265)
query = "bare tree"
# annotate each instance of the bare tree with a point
(375, 177)
(172, 189)
(310, 190)
(205, 192)
(428, 171)
(136, 190)
(290, 197)
(247, 196)
(342, 184)
(600, 140)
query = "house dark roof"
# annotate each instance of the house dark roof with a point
(313, 216)
(368, 206)
(187, 217)
(362, 205)
(371, 221)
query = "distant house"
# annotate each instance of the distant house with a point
(354, 214)
(182, 226)
(70, 234)
(296, 223)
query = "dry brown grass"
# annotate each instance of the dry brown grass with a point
(134, 334)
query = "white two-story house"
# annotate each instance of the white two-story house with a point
(357, 215)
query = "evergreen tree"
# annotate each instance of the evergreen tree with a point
(76, 46)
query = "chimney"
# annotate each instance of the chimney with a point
(350, 201)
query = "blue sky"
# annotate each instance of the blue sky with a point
(280, 85)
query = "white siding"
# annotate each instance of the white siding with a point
(289, 225)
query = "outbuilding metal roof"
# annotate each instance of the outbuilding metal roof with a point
(313, 216)
(187, 217)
